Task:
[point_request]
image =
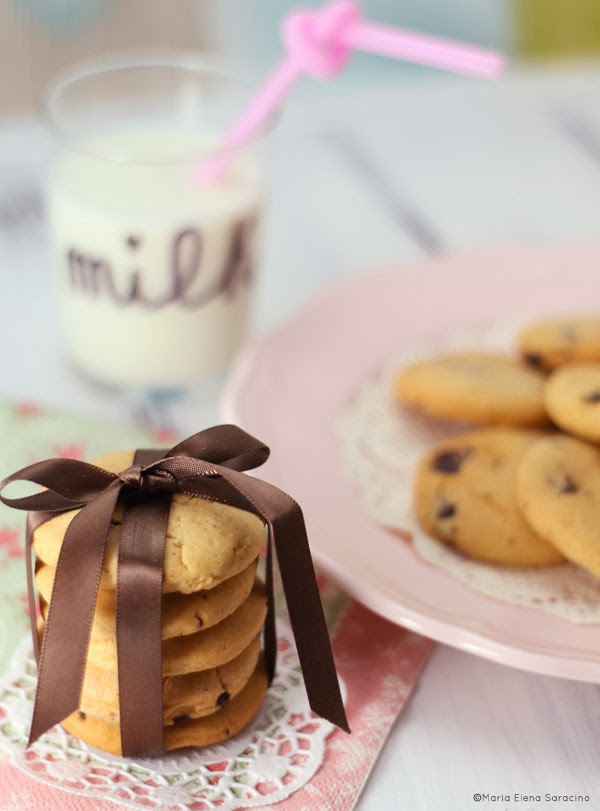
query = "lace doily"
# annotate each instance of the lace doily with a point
(380, 446)
(280, 751)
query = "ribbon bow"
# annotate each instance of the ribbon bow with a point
(206, 465)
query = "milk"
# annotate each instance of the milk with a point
(153, 269)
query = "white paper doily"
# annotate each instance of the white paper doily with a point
(275, 756)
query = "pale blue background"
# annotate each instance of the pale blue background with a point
(249, 28)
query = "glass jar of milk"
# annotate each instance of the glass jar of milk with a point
(154, 267)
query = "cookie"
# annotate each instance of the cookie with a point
(558, 492)
(182, 614)
(227, 721)
(477, 387)
(553, 342)
(210, 648)
(200, 651)
(465, 495)
(572, 399)
(192, 695)
(207, 542)
(197, 694)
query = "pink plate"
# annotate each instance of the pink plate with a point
(289, 388)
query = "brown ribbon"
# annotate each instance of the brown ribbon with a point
(206, 465)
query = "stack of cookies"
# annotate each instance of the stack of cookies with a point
(525, 489)
(213, 611)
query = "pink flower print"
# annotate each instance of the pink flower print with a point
(71, 450)
(24, 598)
(164, 435)
(10, 541)
(27, 409)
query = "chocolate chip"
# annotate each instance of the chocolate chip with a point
(450, 461)
(534, 360)
(446, 511)
(592, 396)
(82, 715)
(223, 699)
(181, 718)
(568, 485)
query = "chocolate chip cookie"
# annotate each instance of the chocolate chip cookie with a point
(226, 721)
(207, 542)
(465, 495)
(476, 387)
(572, 399)
(182, 614)
(558, 493)
(553, 342)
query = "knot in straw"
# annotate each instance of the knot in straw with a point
(316, 39)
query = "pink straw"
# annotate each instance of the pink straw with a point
(319, 43)
(425, 50)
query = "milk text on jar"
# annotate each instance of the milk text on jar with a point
(154, 269)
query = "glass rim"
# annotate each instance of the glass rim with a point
(185, 61)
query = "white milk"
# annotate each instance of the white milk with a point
(154, 270)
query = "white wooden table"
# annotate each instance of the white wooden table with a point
(386, 174)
